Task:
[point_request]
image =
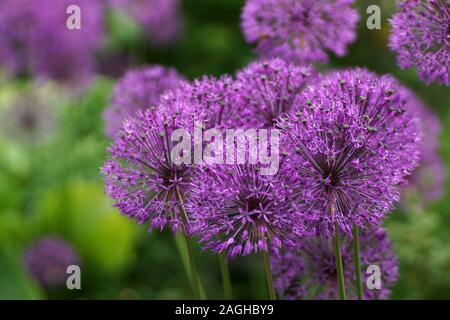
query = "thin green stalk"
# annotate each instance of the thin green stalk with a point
(195, 280)
(339, 268)
(193, 274)
(357, 258)
(269, 276)
(225, 277)
(180, 240)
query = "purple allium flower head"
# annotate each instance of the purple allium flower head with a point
(301, 30)
(161, 20)
(139, 89)
(309, 271)
(34, 37)
(351, 140)
(420, 36)
(140, 174)
(268, 89)
(211, 99)
(47, 261)
(237, 210)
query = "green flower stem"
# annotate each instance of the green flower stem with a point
(357, 258)
(227, 289)
(186, 252)
(339, 268)
(269, 276)
(183, 249)
(195, 280)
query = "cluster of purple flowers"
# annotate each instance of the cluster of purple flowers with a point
(350, 140)
(141, 175)
(47, 260)
(420, 36)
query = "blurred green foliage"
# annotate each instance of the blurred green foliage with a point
(54, 187)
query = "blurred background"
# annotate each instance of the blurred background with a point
(51, 152)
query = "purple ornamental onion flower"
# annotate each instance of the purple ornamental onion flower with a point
(138, 89)
(428, 179)
(34, 38)
(351, 140)
(161, 20)
(309, 271)
(299, 31)
(237, 210)
(140, 174)
(210, 99)
(268, 89)
(420, 36)
(47, 261)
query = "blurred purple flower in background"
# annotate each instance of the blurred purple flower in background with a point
(267, 89)
(420, 36)
(47, 260)
(299, 31)
(309, 271)
(138, 89)
(427, 180)
(350, 140)
(34, 38)
(237, 210)
(162, 20)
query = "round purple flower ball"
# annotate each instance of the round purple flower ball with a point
(237, 210)
(47, 260)
(309, 271)
(420, 36)
(299, 31)
(269, 88)
(140, 175)
(351, 140)
(139, 89)
(211, 99)
(35, 39)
